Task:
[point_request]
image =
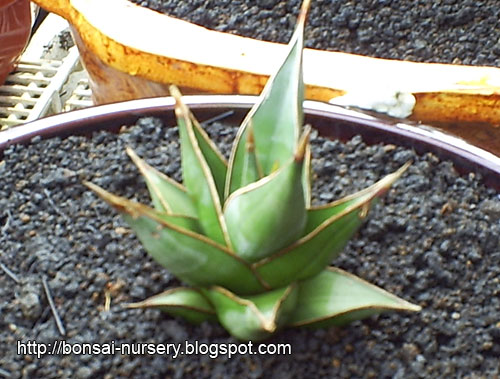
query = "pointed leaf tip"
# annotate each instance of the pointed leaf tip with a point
(187, 303)
(303, 12)
(175, 92)
(203, 173)
(335, 297)
(277, 116)
(119, 203)
(386, 183)
(167, 195)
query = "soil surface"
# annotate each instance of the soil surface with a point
(433, 240)
(446, 31)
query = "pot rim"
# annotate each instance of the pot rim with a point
(374, 129)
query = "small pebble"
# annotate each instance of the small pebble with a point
(30, 305)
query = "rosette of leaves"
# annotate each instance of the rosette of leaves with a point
(242, 234)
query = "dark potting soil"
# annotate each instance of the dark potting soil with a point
(433, 240)
(448, 31)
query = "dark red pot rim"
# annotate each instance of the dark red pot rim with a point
(331, 121)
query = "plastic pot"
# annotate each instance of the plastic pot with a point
(331, 121)
(127, 62)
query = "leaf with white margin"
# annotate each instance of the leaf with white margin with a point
(335, 297)
(277, 117)
(328, 229)
(269, 214)
(198, 178)
(167, 195)
(190, 256)
(184, 302)
(253, 317)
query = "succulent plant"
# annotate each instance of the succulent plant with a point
(243, 234)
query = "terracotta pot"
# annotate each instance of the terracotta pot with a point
(15, 28)
(331, 121)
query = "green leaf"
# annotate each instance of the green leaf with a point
(278, 115)
(198, 178)
(249, 171)
(310, 254)
(166, 194)
(184, 222)
(306, 177)
(335, 297)
(328, 230)
(254, 317)
(193, 258)
(269, 214)
(318, 215)
(187, 303)
(212, 155)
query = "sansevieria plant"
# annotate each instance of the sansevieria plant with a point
(242, 234)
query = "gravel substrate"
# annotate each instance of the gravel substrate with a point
(446, 31)
(433, 240)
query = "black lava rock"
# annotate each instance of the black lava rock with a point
(455, 31)
(445, 258)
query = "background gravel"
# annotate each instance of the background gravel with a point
(433, 240)
(447, 31)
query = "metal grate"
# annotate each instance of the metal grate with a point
(21, 93)
(80, 97)
(34, 89)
